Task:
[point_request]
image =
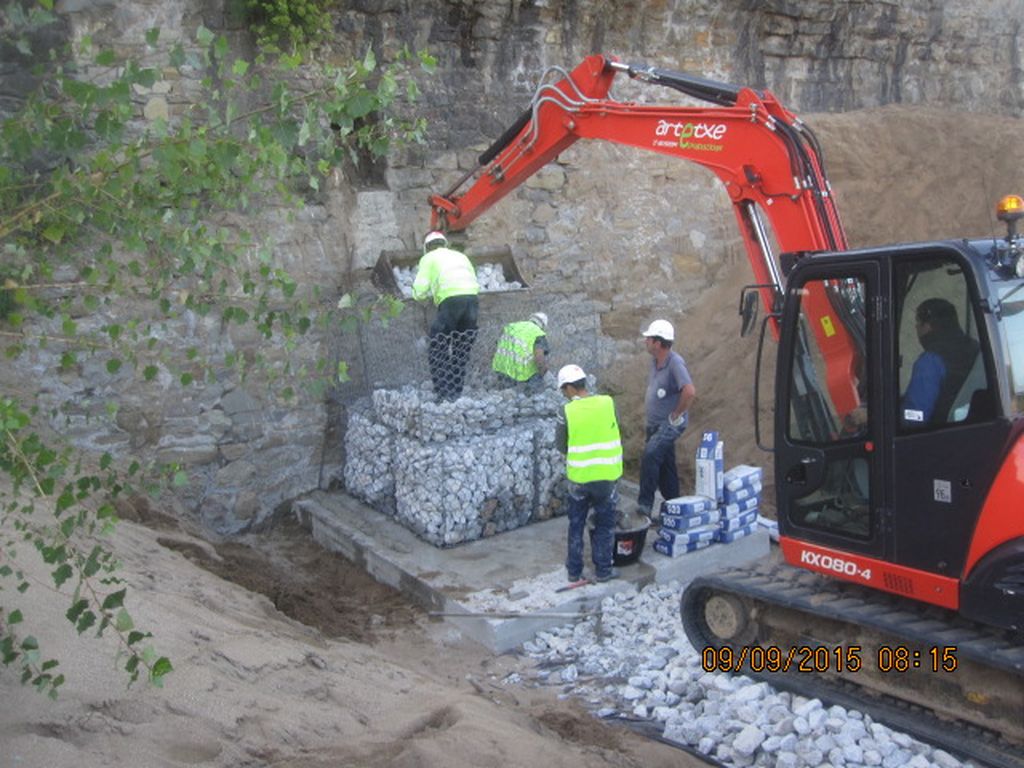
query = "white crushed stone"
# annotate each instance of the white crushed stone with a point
(491, 278)
(632, 659)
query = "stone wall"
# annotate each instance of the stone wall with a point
(617, 236)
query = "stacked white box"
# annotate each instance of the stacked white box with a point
(684, 506)
(692, 536)
(675, 549)
(710, 474)
(727, 537)
(739, 521)
(741, 496)
(686, 522)
(743, 493)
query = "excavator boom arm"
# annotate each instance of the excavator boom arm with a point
(768, 161)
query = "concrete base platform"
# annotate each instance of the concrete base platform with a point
(498, 591)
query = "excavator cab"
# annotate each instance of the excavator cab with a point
(903, 487)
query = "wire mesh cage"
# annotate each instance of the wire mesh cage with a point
(438, 440)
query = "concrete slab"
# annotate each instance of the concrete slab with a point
(498, 591)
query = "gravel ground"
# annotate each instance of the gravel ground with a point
(633, 660)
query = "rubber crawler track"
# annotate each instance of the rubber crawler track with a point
(777, 585)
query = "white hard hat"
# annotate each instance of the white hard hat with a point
(541, 319)
(570, 374)
(661, 328)
(434, 235)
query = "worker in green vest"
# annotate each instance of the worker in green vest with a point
(449, 278)
(522, 353)
(587, 432)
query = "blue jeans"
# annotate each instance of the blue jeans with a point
(658, 465)
(602, 495)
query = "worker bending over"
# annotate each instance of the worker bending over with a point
(449, 277)
(587, 432)
(522, 353)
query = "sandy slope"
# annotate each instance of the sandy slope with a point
(254, 687)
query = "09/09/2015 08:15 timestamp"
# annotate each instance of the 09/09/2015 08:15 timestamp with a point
(821, 659)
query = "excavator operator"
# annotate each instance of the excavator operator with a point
(943, 365)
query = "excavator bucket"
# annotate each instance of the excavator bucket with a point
(495, 265)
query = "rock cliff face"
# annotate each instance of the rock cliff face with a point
(613, 236)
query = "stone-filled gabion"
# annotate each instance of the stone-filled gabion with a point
(457, 471)
(369, 449)
(461, 490)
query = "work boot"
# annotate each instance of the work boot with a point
(612, 574)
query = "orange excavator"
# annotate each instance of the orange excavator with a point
(899, 409)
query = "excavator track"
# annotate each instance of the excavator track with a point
(919, 669)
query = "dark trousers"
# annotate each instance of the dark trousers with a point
(658, 465)
(451, 339)
(602, 496)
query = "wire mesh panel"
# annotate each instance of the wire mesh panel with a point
(401, 351)
(436, 439)
(456, 471)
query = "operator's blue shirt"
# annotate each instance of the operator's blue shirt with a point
(923, 390)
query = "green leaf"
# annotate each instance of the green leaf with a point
(114, 600)
(369, 60)
(240, 67)
(186, 379)
(152, 35)
(106, 58)
(65, 500)
(161, 667)
(14, 617)
(85, 621)
(150, 372)
(135, 636)
(113, 365)
(123, 622)
(54, 233)
(76, 609)
(62, 574)
(180, 479)
(204, 36)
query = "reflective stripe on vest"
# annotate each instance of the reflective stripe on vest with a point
(514, 356)
(595, 448)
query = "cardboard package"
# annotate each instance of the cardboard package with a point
(710, 466)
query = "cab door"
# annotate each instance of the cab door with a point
(946, 448)
(829, 443)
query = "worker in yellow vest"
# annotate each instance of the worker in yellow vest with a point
(587, 432)
(449, 278)
(522, 353)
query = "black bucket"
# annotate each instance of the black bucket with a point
(627, 546)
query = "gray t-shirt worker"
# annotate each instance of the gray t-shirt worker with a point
(670, 392)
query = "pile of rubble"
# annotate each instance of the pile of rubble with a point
(491, 278)
(456, 471)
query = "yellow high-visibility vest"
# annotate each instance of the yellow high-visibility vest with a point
(444, 272)
(594, 445)
(514, 356)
